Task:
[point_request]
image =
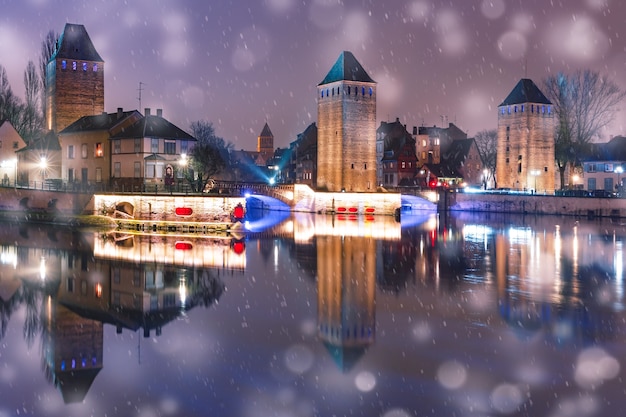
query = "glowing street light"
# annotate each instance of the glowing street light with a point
(43, 165)
(618, 170)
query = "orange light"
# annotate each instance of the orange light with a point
(98, 290)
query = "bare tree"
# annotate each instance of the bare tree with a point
(209, 156)
(48, 47)
(32, 121)
(584, 103)
(487, 141)
(10, 105)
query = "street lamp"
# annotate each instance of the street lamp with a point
(183, 166)
(43, 164)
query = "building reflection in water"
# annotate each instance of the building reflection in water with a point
(76, 283)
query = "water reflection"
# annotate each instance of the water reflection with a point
(473, 315)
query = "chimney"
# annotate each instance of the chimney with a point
(160, 112)
(120, 111)
(415, 130)
(147, 111)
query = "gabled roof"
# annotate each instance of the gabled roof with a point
(525, 92)
(613, 150)
(47, 142)
(266, 132)
(103, 121)
(347, 68)
(153, 127)
(75, 43)
(457, 152)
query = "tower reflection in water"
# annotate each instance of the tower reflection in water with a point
(72, 284)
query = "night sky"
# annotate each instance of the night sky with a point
(241, 63)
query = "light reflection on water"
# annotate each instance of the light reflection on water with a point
(310, 315)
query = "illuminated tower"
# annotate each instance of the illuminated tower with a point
(346, 123)
(525, 155)
(74, 79)
(265, 142)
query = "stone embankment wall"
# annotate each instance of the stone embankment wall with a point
(533, 204)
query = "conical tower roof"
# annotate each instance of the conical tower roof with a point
(75, 43)
(266, 132)
(526, 91)
(347, 68)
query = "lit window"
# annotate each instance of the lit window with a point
(362, 91)
(99, 152)
(371, 91)
(403, 164)
(74, 65)
(322, 93)
(84, 66)
(64, 64)
(95, 67)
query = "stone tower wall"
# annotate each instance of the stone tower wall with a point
(347, 136)
(530, 146)
(73, 93)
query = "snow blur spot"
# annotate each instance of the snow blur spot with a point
(130, 18)
(594, 366)
(598, 5)
(326, 14)
(174, 23)
(12, 56)
(397, 412)
(5, 413)
(418, 10)
(299, 359)
(279, 6)
(148, 411)
(452, 375)
(579, 38)
(451, 35)
(506, 398)
(512, 45)
(242, 59)
(365, 381)
(175, 52)
(356, 28)
(422, 332)
(476, 105)
(389, 90)
(532, 374)
(492, 9)
(38, 3)
(251, 46)
(193, 97)
(7, 374)
(308, 327)
(523, 23)
(584, 406)
(169, 406)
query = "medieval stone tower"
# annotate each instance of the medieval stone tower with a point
(525, 158)
(74, 79)
(346, 123)
(265, 142)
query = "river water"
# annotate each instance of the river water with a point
(310, 315)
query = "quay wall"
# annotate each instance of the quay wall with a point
(533, 204)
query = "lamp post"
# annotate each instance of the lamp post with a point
(183, 165)
(43, 164)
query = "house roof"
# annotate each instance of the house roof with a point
(457, 152)
(525, 92)
(75, 43)
(46, 142)
(153, 127)
(613, 150)
(396, 138)
(104, 121)
(346, 68)
(266, 132)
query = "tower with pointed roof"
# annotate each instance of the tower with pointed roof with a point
(74, 79)
(346, 125)
(525, 154)
(265, 142)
